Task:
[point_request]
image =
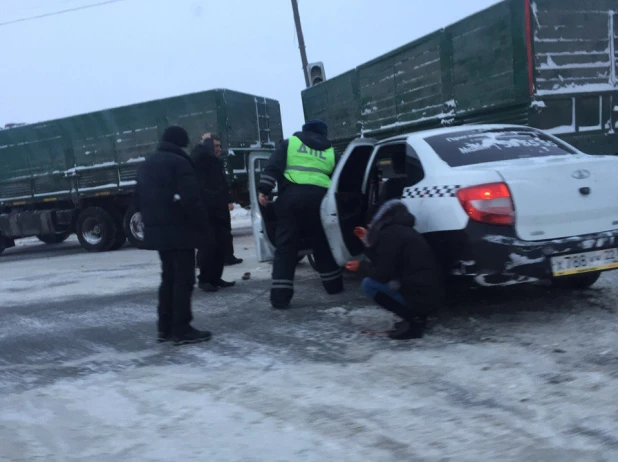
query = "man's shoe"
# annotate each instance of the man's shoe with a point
(191, 336)
(163, 337)
(224, 284)
(406, 330)
(280, 305)
(208, 287)
(233, 261)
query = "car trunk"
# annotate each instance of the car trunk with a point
(563, 196)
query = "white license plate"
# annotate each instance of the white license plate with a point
(596, 260)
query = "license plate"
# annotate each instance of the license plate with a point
(596, 260)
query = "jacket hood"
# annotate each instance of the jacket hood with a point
(314, 140)
(393, 212)
(166, 146)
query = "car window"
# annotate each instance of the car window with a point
(480, 146)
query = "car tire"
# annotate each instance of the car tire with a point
(96, 229)
(52, 239)
(576, 282)
(133, 227)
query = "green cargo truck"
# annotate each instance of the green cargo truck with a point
(77, 175)
(550, 64)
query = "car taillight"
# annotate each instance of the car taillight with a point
(488, 203)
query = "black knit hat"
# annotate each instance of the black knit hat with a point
(316, 126)
(176, 135)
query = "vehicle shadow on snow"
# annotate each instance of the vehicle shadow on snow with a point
(522, 298)
(45, 251)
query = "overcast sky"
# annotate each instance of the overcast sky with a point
(139, 50)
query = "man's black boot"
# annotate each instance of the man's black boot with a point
(208, 287)
(411, 326)
(233, 261)
(224, 284)
(190, 335)
(406, 330)
(280, 298)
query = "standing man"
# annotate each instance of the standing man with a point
(302, 167)
(216, 195)
(168, 197)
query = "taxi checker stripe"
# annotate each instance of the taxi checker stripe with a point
(432, 191)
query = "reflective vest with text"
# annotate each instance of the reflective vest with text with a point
(309, 166)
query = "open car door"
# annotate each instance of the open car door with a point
(345, 205)
(263, 221)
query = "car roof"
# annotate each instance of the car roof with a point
(448, 130)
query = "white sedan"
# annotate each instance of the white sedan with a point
(500, 204)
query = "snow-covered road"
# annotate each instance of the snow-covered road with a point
(525, 374)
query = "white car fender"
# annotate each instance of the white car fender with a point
(433, 201)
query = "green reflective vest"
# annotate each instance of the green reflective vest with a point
(309, 166)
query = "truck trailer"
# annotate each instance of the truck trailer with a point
(77, 174)
(549, 64)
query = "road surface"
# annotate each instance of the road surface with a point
(513, 375)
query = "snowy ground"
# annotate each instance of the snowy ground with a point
(519, 375)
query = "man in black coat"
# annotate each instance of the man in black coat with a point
(403, 276)
(168, 197)
(216, 195)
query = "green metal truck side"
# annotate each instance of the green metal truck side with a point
(51, 172)
(550, 64)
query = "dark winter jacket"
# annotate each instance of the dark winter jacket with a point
(402, 258)
(168, 197)
(275, 167)
(213, 181)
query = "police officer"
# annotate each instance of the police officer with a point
(301, 167)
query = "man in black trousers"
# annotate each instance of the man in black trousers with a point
(216, 195)
(169, 198)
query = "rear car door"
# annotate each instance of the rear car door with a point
(345, 205)
(263, 219)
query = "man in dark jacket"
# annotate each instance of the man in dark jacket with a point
(216, 194)
(403, 276)
(168, 197)
(301, 167)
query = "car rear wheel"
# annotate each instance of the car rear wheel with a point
(134, 228)
(54, 238)
(96, 230)
(577, 282)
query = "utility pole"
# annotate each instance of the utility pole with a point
(301, 41)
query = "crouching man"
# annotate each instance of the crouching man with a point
(403, 275)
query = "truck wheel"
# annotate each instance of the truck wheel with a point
(134, 228)
(576, 282)
(96, 229)
(57, 238)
